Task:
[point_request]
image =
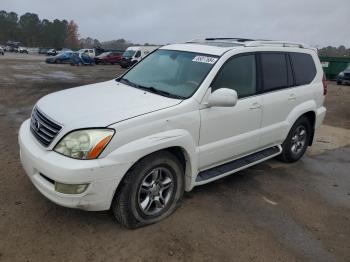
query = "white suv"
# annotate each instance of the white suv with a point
(186, 115)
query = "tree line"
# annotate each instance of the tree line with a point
(33, 32)
(332, 51)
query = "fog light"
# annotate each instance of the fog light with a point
(70, 189)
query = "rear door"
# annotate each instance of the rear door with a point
(279, 96)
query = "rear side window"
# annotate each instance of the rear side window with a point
(238, 74)
(274, 71)
(304, 68)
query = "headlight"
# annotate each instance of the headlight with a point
(341, 74)
(84, 144)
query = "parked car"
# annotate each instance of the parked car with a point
(108, 58)
(64, 50)
(12, 46)
(22, 50)
(60, 58)
(90, 52)
(344, 76)
(186, 115)
(78, 59)
(12, 49)
(52, 52)
(134, 54)
(2, 51)
(43, 50)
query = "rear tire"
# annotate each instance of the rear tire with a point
(297, 141)
(150, 191)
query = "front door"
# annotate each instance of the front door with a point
(230, 132)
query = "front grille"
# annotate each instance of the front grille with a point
(43, 128)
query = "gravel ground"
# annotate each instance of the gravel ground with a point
(270, 212)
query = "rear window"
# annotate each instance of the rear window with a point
(274, 70)
(304, 68)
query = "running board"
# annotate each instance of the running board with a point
(237, 165)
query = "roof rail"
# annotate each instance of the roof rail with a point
(272, 42)
(217, 42)
(226, 41)
(235, 39)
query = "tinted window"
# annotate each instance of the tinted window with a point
(274, 70)
(239, 74)
(138, 54)
(304, 68)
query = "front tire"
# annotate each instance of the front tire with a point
(297, 141)
(150, 191)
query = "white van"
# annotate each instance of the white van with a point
(186, 115)
(134, 54)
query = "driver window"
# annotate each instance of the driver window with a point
(238, 73)
(138, 54)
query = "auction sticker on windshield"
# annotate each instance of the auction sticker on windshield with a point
(205, 59)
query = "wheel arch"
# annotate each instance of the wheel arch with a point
(180, 153)
(307, 109)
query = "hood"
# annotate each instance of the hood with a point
(101, 104)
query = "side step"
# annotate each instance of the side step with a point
(236, 165)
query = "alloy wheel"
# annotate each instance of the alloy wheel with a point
(155, 191)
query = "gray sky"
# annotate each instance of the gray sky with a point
(316, 22)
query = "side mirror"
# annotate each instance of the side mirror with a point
(223, 97)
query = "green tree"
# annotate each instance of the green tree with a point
(8, 26)
(30, 26)
(58, 33)
(46, 38)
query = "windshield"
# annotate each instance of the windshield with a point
(64, 54)
(129, 53)
(171, 73)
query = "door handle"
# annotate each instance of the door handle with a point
(255, 106)
(292, 97)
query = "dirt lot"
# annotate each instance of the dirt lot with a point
(270, 212)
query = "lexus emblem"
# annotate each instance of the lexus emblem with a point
(36, 125)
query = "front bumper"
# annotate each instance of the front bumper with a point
(102, 175)
(126, 63)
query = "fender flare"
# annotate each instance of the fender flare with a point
(298, 111)
(137, 149)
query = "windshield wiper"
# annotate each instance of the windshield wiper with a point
(161, 92)
(128, 82)
(149, 89)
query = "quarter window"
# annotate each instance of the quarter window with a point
(238, 74)
(274, 70)
(304, 68)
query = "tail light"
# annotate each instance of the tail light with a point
(324, 82)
